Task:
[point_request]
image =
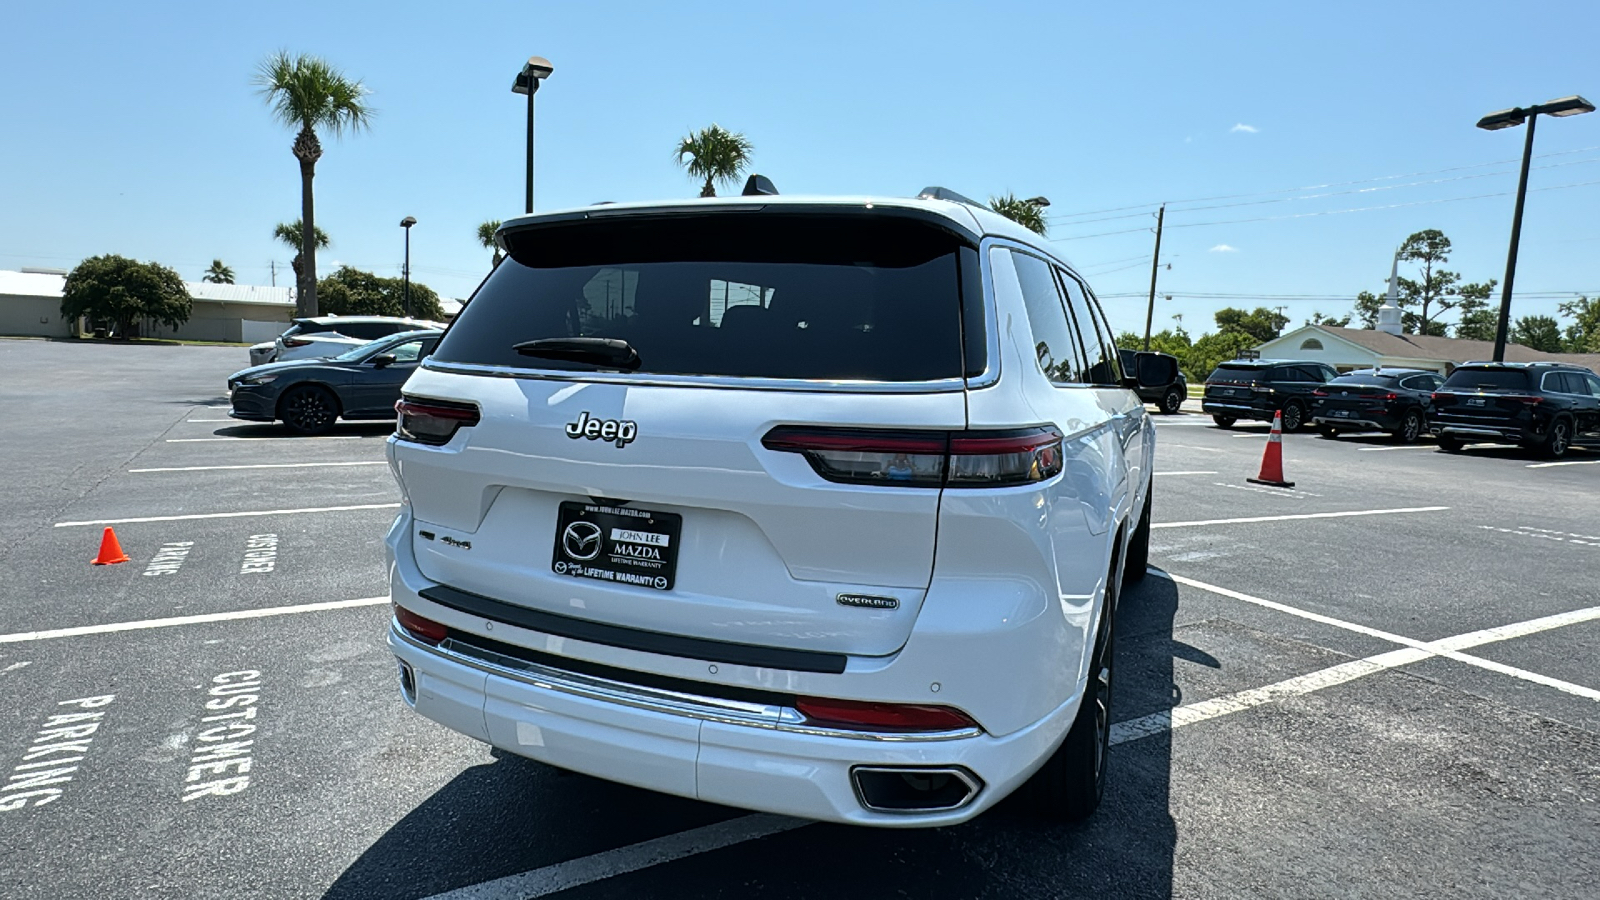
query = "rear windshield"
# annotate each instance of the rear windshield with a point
(1488, 379)
(1375, 380)
(1231, 372)
(735, 294)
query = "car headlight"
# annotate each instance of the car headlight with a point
(258, 379)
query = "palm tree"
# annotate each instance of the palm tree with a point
(486, 232)
(290, 233)
(1026, 213)
(218, 273)
(715, 154)
(307, 93)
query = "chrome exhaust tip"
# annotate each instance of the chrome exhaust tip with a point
(914, 789)
(408, 684)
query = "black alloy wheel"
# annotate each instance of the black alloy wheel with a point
(1294, 415)
(1410, 427)
(1224, 421)
(1555, 446)
(308, 409)
(1171, 401)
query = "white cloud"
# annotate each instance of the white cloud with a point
(1223, 248)
(1247, 129)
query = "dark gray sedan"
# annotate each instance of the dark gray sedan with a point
(309, 395)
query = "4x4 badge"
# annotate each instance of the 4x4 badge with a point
(621, 431)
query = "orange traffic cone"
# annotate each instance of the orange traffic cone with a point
(110, 550)
(1271, 461)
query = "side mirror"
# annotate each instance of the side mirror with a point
(382, 360)
(1155, 370)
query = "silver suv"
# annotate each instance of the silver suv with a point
(813, 506)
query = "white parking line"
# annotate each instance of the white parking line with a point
(1398, 447)
(1193, 447)
(1186, 473)
(213, 421)
(326, 437)
(1326, 515)
(144, 624)
(622, 860)
(229, 515)
(1575, 462)
(263, 466)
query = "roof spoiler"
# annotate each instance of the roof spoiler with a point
(941, 193)
(759, 186)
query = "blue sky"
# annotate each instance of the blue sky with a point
(134, 129)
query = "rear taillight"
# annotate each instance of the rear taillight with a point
(296, 342)
(1383, 398)
(432, 422)
(882, 716)
(1319, 392)
(425, 630)
(924, 458)
(1529, 401)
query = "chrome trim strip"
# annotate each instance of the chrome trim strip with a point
(974, 785)
(710, 709)
(939, 386)
(991, 319)
(1492, 432)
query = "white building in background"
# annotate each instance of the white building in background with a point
(30, 305)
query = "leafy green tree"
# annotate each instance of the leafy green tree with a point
(1367, 305)
(1317, 318)
(352, 292)
(125, 291)
(1212, 349)
(1028, 215)
(218, 273)
(1263, 324)
(306, 93)
(1538, 333)
(1583, 335)
(714, 154)
(486, 232)
(290, 233)
(1478, 320)
(1432, 293)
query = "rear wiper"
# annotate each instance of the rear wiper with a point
(610, 353)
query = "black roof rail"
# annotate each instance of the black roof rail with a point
(941, 193)
(759, 186)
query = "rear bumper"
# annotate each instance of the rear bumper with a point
(1490, 433)
(1376, 421)
(1236, 410)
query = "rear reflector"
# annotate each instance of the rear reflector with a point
(882, 716)
(432, 422)
(924, 458)
(425, 630)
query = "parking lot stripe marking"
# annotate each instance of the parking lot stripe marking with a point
(209, 421)
(622, 860)
(1284, 518)
(230, 515)
(200, 619)
(1406, 447)
(1186, 473)
(1193, 447)
(1575, 462)
(266, 466)
(326, 437)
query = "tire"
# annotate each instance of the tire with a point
(308, 409)
(1294, 417)
(1072, 781)
(1329, 433)
(1224, 421)
(1558, 441)
(1411, 427)
(1172, 401)
(1139, 545)
(1450, 444)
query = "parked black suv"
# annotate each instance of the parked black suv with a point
(1161, 381)
(1258, 388)
(1392, 400)
(1545, 407)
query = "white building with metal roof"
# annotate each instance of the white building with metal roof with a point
(30, 304)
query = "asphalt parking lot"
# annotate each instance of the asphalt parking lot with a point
(1383, 682)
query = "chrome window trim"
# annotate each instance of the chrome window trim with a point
(991, 319)
(709, 709)
(728, 382)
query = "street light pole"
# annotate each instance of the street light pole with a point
(533, 73)
(1507, 118)
(406, 223)
(1155, 266)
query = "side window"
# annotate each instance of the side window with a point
(1329, 373)
(364, 331)
(1100, 354)
(409, 352)
(1555, 382)
(1280, 373)
(1594, 384)
(1052, 336)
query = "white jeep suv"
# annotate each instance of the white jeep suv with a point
(813, 506)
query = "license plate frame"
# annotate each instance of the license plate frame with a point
(1342, 413)
(617, 544)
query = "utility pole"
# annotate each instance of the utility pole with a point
(1155, 266)
(274, 264)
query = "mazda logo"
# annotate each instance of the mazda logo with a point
(581, 541)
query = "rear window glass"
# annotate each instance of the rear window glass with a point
(1248, 374)
(1376, 380)
(1488, 379)
(737, 294)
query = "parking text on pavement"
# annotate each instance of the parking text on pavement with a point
(223, 747)
(169, 558)
(260, 554)
(57, 748)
